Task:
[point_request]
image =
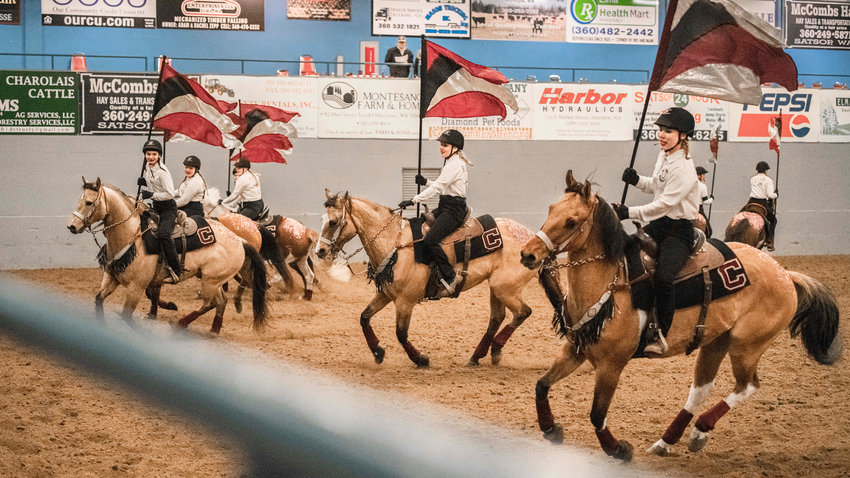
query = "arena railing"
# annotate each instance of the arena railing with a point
(290, 421)
(101, 63)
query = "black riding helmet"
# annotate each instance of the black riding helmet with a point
(243, 163)
(452, 137)
(762, 166)
(152, 145)
(701, 170)
(677, 118)
(192, 161)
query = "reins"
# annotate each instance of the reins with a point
(335, 249)
(94, 229)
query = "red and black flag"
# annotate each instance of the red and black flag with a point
(453, 87)
(716, 49)
(267, 133)
(182, 106)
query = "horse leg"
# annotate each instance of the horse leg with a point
(565, 363)
(220, 304)
(607, 378)
(521, 311)
(708, 362)
(403, 311)
(152, 293)
(307, 276)
(378, 302)
(108, 284)
(208, 293)
(746, 382)
(134, 293)
(240, 289)
(497, 316)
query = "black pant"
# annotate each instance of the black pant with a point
(167, 211)
(193, 208)
(252, 209)
(770, 227)
(674, 238)
(448, 217)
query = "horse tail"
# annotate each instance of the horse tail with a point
(271, 252)
(737, 232)
(816, 320)
(259, 285)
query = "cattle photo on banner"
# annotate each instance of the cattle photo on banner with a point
(267, 135)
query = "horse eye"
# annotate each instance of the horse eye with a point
(89, 203)
(571, 223)
(332, 223)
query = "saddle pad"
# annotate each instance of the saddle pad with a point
(272, 226)
(487, 242)
(204, 236)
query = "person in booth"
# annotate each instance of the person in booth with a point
(159, 188)
(399, 54)
(247, 196)
(671, 213)
(451, 185)
(191, 191)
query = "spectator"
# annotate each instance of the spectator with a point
(400, 55)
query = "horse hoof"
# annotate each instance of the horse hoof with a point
(660, 448)
(238, 306)
(181, 325)
(169, 306)
(698, 440)
(378, 353)
(308, 294)
(150, 316)
(473, 362)
(555, 434)
(423, 361)
(495, 356)
(624, 451)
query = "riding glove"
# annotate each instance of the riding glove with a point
(622, 211)
(405, 203)
(147, 194)
(141, 182)
(630, 176)
(421, 180)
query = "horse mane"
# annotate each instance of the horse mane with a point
(614, 237)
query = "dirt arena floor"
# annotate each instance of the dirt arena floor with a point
(59, 421)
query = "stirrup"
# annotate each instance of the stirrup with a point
(658, 347)
(172, 277)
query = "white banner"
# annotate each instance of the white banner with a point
(613, 21)
(516, 126)
(87, 13)
(367, 108)
(289, 93)
(584, 112)
(835, 116)
(433, 18)
(801, 114)
(707, 112)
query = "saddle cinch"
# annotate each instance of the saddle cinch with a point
(189, 233)
(711, 272)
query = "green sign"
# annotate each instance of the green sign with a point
(39, 102)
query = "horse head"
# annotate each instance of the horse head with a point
(337, 229)
(90, 207)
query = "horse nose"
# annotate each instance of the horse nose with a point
(527, 260)
(72, 228)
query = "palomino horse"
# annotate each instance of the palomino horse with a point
(384, 233)
(137, 270)
(748, 227)
(742, 325)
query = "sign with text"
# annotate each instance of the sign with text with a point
(765, 9)
(366, 108)
(38, 102)
(515, 126)
(613, 21)
(339, 10)
(817, 25)
(519, 20)
(225, 15)
(120, 103)
(583, 112)
(433, 18)
(85, 13)
(10, 12)
(801, 114)
(708, 112)
(835, 116)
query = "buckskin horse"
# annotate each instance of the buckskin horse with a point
(387, 239)
(742, 325)
(128, 263)
(748, 226)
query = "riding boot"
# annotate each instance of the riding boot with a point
(172, 261)
(768, 239)
(664, 306)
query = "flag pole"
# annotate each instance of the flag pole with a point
(779, 133)
(150, 128)
(423, 66)
(637, 140)
(715, 142)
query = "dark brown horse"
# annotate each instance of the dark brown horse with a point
(602, 327)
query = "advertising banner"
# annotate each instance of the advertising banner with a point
(516, 126)
(817, 25)
(10, 12)
(291, 93)
(38, 102)
(583, 112)
(708, 112)
(365, 108)
(766, 9)
(117, 103)
(94, 13)
(339, 10)
(613, 21)
(801, 114)
(519, 20)
(434, 18)
(835, 116)
(227, 15)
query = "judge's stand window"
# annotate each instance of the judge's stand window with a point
(408, 189)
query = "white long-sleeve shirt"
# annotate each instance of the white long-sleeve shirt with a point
(191, 189)
(761, 187)
(159, 182)
(703, 194)
(247, 188)
(452, 181)
(674, 186)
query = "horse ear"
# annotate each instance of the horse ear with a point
(97, 183)
(346, 199)
(570, 179)
(585, 190)
(328, 193)
(84, 180)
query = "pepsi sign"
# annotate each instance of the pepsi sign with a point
(800, 111)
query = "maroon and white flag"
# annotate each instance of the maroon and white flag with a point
(774, 130)
(267, 133)
(453, 87)
(182, 106)
(716, 49)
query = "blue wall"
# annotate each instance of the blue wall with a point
(288, 39)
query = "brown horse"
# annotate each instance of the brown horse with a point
(137, 270)
(742, 325)
(297, 243)
(748, 228)
(387, 241)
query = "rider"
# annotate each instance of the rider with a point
(192, 189)
(762, 192)
(159, 187)
(706, 198)
(246, 192)
(672, 211)
(451, 184)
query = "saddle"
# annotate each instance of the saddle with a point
(264, 219)
(468, 227)
(183, 224)
(189, 233)
(756, 208)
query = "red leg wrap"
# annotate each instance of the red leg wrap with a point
(503, 336)
(677, 428)
(481, 350)
(544, 414)
(185, 321)
(708, 419)
(411, 351)
(371, 339)
(607, 440)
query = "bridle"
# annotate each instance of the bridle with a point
(561, 247)
(341, 224)
(88, 226)
(335, 236)
(94, 206)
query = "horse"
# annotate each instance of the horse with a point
(387, 240)
(748, 227)
(742, 325)
(130, 265)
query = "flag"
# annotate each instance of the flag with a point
(719, 50)
(267, 133)
(453, 87)
(774, 130)
(182, 106)
(714, 143)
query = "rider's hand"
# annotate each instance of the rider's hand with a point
(228, 193)
(622, 211)
(220, 201)
(405, 203)
(141, 182)
(421, 180)
(630, 176)
(146, 194)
